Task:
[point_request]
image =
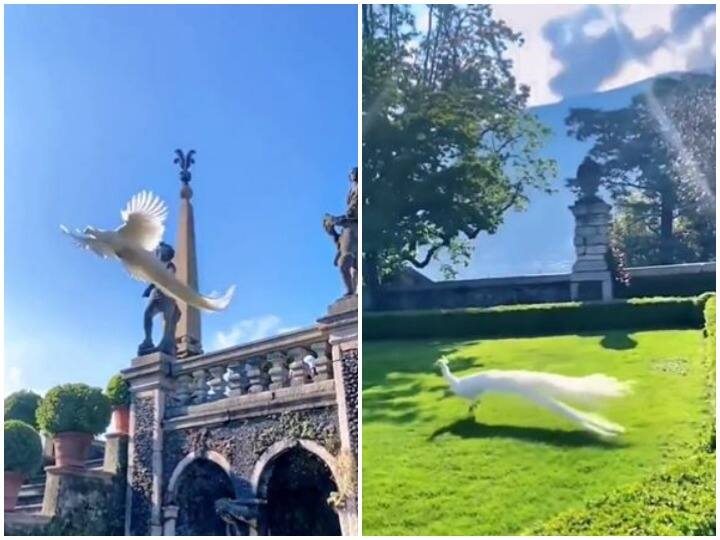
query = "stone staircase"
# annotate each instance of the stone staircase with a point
(30, 498)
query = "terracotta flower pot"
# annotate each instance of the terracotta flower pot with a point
(13, 481)
(72, 448)
(121, 420)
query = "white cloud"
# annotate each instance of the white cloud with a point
(250, 330)
(533, 63)
(674, 55)
(535, 66)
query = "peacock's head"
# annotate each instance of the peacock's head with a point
(441, 362)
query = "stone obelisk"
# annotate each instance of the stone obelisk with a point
(188, 333)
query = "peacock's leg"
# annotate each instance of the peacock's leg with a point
(472, 408)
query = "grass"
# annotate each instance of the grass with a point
(428, 468)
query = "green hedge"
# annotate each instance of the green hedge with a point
(21, 405)
(678, 501)
(537, 320)
(23, 449)
(710, 360)
(74, 407)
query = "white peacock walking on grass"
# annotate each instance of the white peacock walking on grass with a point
(134, 243)
(546, 390)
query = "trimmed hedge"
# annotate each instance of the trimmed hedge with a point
(537, 320)
(711, 363)
(21, 405)
(677, 502)
(23, 448)
(74, 407)
(680, 501)
(118, 391)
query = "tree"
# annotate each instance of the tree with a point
(657, 159)
(448, 146)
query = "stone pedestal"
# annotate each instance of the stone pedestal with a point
(68, 488)
(148, 378)
(115, 458)
(591, 278)
(341, 323)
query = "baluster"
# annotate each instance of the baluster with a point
(298, 372)
(237, 380)
(183, 393)
(278, 372)
(255, 374)
(200, 386)
(323, 366)
(217, 382)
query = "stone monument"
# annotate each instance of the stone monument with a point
(591, 277)
(188, 333)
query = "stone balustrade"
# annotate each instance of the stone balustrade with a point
(254, 368)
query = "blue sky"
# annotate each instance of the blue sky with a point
(97, 98)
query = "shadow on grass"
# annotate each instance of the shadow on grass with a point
(468, 428)
(396, 401)
(618, 341)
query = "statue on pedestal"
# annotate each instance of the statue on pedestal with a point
(160, 303)
(346, 239)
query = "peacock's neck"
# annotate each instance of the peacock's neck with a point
(449, 377)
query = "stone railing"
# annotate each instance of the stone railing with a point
(252, 368)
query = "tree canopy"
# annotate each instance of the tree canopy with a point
(657, 161)
(448, 145)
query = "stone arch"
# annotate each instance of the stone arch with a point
(257, 479)
(295, 479)
(210, 455)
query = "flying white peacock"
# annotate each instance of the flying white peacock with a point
(546, 390)
(134, 244)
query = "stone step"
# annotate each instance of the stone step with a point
(34, 508)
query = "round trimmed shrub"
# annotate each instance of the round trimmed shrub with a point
(23, 449)
(21, 406)
(74, 407)
(118, 391)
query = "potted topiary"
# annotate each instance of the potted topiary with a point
(118, 392)
(23, 455)
(73, 414)
(21, 405)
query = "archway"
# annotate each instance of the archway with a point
(197, 486)
(296, 484)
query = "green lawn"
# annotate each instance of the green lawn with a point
(428, 468)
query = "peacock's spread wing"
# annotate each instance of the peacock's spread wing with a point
(144, 219)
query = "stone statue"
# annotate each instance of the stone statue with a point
(240, 516)
(161, 303)
(588, 179)
(346, 239)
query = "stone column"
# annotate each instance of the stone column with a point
(341, 323)
(591, 278)
(149, 380)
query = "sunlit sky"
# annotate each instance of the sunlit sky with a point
(97, 98)
(574, 49)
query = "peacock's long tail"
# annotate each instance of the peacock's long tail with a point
(588, 389)
(589, 421)
(152, 271)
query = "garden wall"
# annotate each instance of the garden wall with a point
(670, 280)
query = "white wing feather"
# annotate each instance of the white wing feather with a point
(144, 219)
